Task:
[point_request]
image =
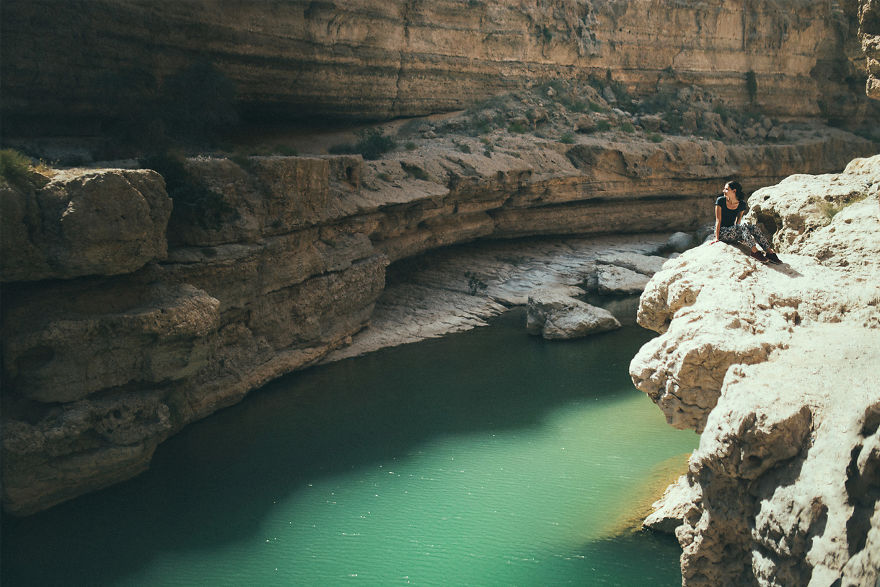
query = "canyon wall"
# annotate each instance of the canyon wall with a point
(869, 36)
(777, 366)
(126, 315)
(90, 61)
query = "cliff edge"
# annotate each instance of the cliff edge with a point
(777, 366)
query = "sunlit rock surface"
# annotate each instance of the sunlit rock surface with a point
(377, 60)
(777, 366)
(274, 263)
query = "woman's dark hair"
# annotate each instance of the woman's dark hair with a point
(740, 194)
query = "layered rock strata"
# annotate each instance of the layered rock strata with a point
(776, 365)
(274, 262)
(377, 60)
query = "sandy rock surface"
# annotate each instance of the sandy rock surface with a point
(777, 366)
(453, 291)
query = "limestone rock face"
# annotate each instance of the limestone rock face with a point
(626, 273)
(283, 262)
(776, 365)
(377, 60)
(869, 36)
(153, 333)
(680, 502)
(451, 290)
(83, 223)
(558, 317)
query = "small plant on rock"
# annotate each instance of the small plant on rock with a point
(14, 167)
(371, 144)
(414, 171)
(475, 284)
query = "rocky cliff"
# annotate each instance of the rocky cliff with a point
(132, 307)
(869, 36)
(90, 61)
(777, 366)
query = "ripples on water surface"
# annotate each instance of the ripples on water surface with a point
(483, 458)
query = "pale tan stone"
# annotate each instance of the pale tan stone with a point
(777, 366)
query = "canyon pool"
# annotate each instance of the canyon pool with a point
(488, 457)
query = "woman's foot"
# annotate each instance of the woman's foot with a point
(759, 256)
(773, 258)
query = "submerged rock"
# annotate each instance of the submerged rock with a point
(777, 366)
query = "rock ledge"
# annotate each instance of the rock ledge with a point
(777, 367)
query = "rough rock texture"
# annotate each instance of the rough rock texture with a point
(869, 36)
(777, 366)
(274, 262)
(452, 290)
(558, 317)
(378, 60)
(626, 273)
(83, 223)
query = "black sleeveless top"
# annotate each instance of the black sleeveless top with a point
(728, 217)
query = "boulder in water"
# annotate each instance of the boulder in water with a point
(557, 317)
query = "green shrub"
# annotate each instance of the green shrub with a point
(674, 120)
(194, 202)
(661, 101)
(475, 284)
(410, 146)
(371, 144)
(517, 127)
(830, 209)
(567, 138)
(751, 85)
(602, 125)
(627, 126)
(414, 171)
(342, 149)
(594, 107)
(722, 111)
(654, 137)
(14, 167)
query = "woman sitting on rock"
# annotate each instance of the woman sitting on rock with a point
(729, 210)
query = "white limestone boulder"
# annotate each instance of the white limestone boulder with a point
(557, 317)
(777, 366)
(625, 273)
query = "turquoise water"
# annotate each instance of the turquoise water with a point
(483, 458)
